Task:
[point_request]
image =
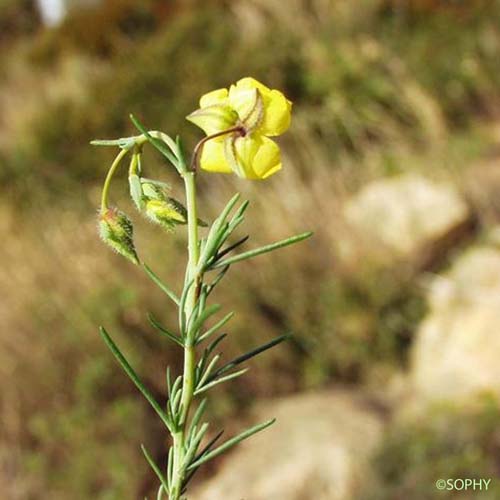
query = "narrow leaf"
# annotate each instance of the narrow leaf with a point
(217, 230)
(161, 489)
(206, 448)
(164, 331)
(198, 414)
(123, 142)
(171, 295)
(216, 327)
(159, 145)
(210, 367)
(217, 279)
(133, 376)
(170, 465)
(229, 206)
(209, 445)
(230, 443)
(156, 469)
(220, 380)
(231, 247)
(262, 250)
(195, 442)
(209, 311)
(249, 355)
(169, 380)
(216, 342)
(200, 368)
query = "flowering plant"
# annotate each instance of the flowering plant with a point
(239, 123)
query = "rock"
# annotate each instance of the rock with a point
(457, 348)
(406, 216)
(317, 450)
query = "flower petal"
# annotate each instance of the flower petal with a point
(213, 158)
(214, 118)
(277, 108)
(218, 96)
(258, 157)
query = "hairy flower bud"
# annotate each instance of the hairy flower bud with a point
(167, 212)
(154, 191)
(116, 230)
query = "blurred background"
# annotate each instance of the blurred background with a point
(392, 377)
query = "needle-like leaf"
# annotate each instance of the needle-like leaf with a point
(216, 231)
(218, 278)
(200, 320)
(164, 331)
(216, 327)
(155, 468)
(195, 442)
(182, 307)
(161, 490)
(218, 381)
(135, 379)
(198, 414)
(170, 294)
(249, 355)
(170, 465)
(122, 142)
(230, 443)
(262, 250)
(159, 145)
(232, 247)
(204, 450)
(208, 371)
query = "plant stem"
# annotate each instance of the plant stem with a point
(199, 147)
(111, 172)
(192, 273)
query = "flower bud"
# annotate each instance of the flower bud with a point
(167, 212)
(153, 191)
(116, 230)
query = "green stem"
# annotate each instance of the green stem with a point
(192, 273)
(107, 182)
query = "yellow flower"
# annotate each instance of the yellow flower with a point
(256, 113)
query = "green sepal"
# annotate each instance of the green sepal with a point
(136, 194)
